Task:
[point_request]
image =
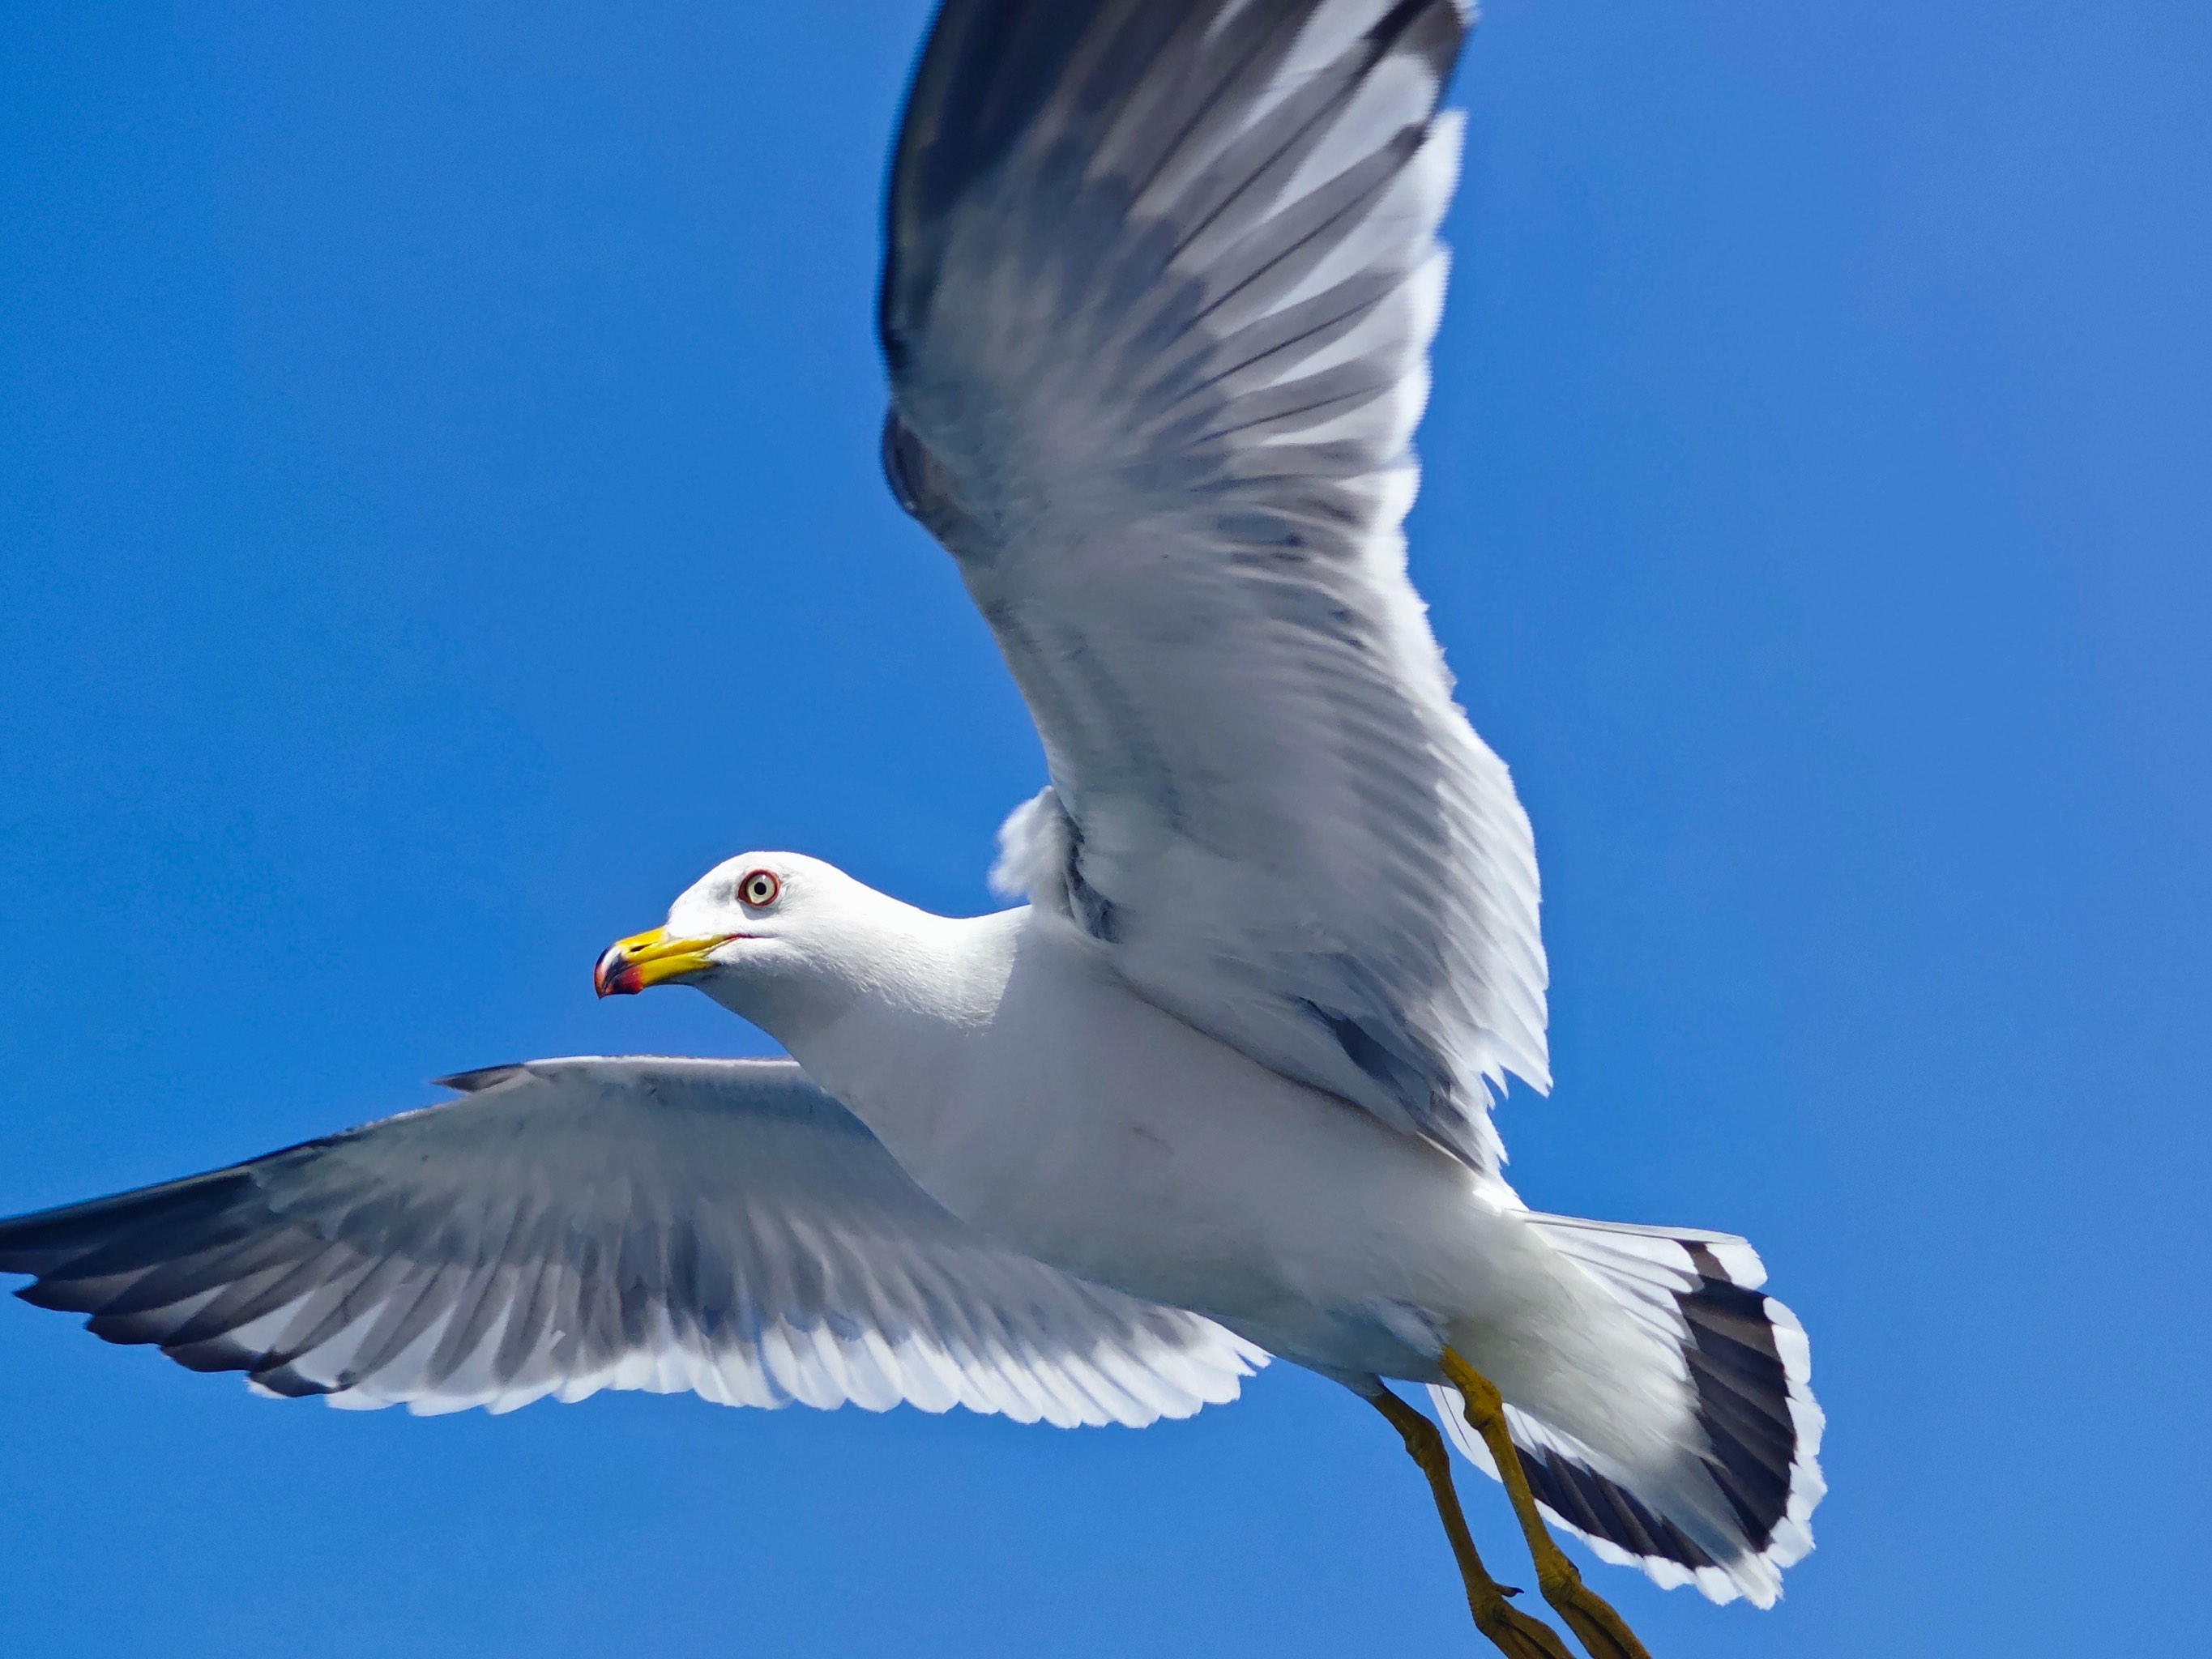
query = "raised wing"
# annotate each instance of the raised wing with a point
(1161, 279)
(719, 1226)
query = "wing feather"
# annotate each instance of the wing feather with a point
(1160, 280)
(720, 1226)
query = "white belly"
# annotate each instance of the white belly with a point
(1090, 1129)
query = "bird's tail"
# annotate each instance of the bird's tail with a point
(1729, 1506)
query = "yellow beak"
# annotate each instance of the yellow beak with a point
(629, 965)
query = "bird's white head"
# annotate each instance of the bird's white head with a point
(788, 943)
(754, 914)
(854, 983)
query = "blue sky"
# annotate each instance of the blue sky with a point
(439, 518)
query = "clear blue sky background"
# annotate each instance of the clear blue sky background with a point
(439, 518)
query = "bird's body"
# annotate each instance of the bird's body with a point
(1025, 1087)
(1159, 281)
(1051, 1108)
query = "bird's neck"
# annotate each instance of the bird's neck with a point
(885, 1030)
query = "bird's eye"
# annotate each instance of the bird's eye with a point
(759, 889)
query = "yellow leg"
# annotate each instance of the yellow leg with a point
(1514, 1632)
(1600, 1629)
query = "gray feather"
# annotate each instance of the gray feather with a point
(570, 1225)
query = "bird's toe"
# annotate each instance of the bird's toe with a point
(1517, 1635)
(1602, 1631)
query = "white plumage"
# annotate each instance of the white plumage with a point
(1160, 283)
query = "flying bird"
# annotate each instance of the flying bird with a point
(1158, 284)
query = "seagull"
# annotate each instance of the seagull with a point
(1159, 282)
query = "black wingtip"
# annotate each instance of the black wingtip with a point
(484, 1077)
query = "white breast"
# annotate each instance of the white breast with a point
(1086, 1127)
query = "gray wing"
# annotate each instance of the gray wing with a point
(719, 1226)
(1160, 282)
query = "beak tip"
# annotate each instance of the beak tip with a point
(613, 976)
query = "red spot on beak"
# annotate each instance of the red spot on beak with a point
(615, 974)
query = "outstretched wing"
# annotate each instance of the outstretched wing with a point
(719, 1226)
(1160, 283)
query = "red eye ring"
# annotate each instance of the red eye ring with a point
(758, 888)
